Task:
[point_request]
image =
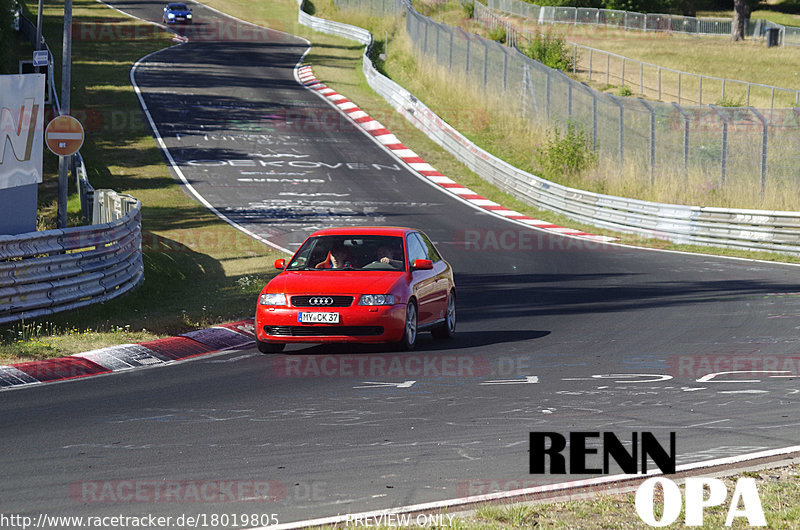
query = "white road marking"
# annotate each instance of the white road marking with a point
(529, 379)
(373, 384)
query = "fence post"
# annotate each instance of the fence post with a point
(608, 67)
(622, 79)
(569, 98)
(590, 65)
(724, 141)
(650, 109)
(547, 95)
(700, 90)
(641, 78)
(575, 60)
(679, 88)
(466, 59)
(764, 126)
(723, 89)
(594, 118)
(485, 64)
(505, 68)
(659, 83)
(772, 102)
(621, 129)
(685, 137)
(450, 61)
(748, 94)
(438, 60)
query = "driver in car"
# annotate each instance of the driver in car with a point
(388, 255)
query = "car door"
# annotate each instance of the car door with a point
(423, 282)
(442, 283)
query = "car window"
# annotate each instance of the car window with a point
(350, 252)
(432, 253)
(416, 249)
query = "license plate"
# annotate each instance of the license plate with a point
(318, 318)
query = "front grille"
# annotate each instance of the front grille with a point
(336, 301)
(323, 331)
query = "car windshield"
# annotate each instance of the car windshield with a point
(178, 7)
(350, 252)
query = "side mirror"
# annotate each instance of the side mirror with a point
(280, 263)
(422, 265)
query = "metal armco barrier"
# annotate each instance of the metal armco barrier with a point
(56, 270)
(737, 228)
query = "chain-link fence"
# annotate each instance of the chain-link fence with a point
(641, 21)
(752, 149)
(647, 79)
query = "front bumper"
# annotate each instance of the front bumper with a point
(357, 324)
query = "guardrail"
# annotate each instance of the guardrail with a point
(737, 228)
(55, 270)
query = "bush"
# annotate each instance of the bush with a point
(728, 101)
(498, 34)
(469, 9)
(565, 155)
(552, 51)
(624, 91)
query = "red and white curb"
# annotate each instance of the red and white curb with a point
(416, 163)
(128, 356)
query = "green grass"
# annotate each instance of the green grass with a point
(778, 490)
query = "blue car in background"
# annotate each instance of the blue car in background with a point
(176, 14)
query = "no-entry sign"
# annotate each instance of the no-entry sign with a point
(64, 135)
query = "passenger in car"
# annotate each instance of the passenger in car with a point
(338, 258)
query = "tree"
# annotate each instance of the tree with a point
(6, 32)
(741, 18)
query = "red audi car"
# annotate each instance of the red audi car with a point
(358, 284)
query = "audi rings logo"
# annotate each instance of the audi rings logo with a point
(321, 300)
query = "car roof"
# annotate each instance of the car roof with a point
(397, 231)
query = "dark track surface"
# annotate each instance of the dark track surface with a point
(572, 313)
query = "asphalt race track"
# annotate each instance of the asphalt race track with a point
(554, 334)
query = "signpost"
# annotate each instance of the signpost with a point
(41, 58)
(64, 135)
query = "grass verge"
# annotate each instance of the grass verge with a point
(778, 489)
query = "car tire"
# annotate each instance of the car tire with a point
(447, 329)
(270, 347)
(410, 331)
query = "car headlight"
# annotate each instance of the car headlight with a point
(377, 299)
(189, 15)
(170, 15)
(272, 299)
